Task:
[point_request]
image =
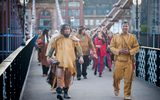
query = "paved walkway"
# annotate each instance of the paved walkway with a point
(93, 88)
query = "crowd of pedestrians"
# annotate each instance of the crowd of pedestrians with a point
(69, 53)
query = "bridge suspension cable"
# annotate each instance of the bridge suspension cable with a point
(59, 13)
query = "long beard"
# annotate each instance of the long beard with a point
(66, 35)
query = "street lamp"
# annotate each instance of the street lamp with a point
(137, 3)
(72, 20)
(24, 3)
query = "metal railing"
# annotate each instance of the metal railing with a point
(148, 65)
(9, 43)
(150, 40)
(13, 71)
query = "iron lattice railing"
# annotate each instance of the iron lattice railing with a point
(148, 65)
(13, 71)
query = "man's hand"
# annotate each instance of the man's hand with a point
(49, 60)
(124, 51)
(81, 61)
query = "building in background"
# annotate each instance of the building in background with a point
(72, 12)
(46, 14)
(96, 10)
(75, 12)
(150, 23)
(150, 16)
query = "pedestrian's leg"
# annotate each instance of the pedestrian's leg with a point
(78, 65)
(46, 68)
(84, 71)
(128, 75)
(105, 62)
(84, 66)
(60, 82)
(43, 71)
(109, 61)
(39, 56)
(117, 76)
(94, 63)
(67, 79)
(101, 66)
(54, 77)
(93, 67)
(96, 66)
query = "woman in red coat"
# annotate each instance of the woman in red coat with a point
(100, 45)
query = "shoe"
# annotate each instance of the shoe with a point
(100, 75)
(127, 98)
(59, 93)
(85, 77)
(78, 78)
(95, 72)
(44, 75)
(53, 90)
(116, 93)
(66, 95)
(59, 97)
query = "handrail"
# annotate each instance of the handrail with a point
(13, 71)
(150, 48)
(4, 65)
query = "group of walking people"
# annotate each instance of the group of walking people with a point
(70, 53)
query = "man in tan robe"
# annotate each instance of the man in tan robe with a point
(65, 47)
(124, 46)
(86, 45)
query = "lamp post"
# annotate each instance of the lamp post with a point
(33, 21)
(24, 3)
(72, 20)
(137, 3)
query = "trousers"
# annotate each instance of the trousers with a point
(64, 77)
(123, 70)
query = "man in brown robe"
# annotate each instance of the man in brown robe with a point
(124, 46)
(65, 47)
(42, 43)
(87, 45)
